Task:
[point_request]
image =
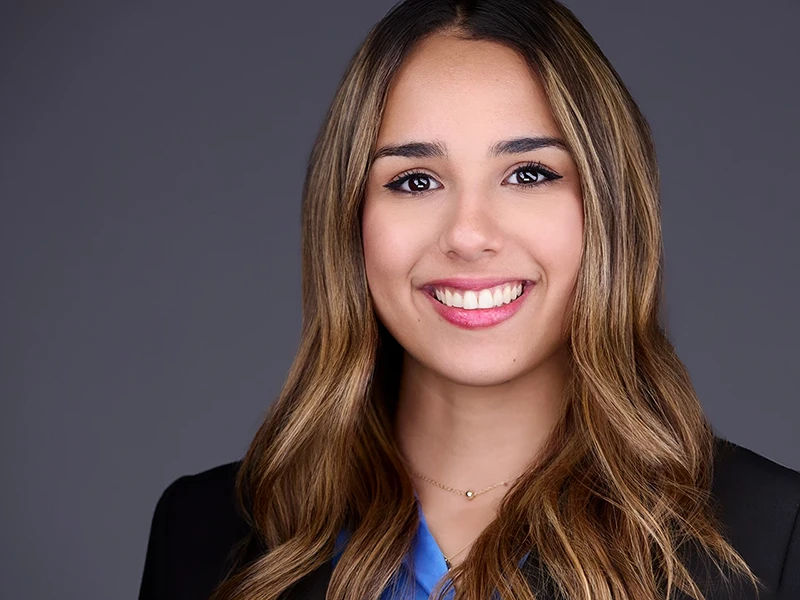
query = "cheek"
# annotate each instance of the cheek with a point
(563, 251)
(391, 247)
(564, 255)
(556, 241)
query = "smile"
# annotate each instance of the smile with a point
(469, 305)
(475, 299)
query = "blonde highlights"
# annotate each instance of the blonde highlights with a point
(619, 500)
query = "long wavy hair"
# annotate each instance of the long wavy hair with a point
(621, 492)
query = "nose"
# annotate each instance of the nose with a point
(471, 227)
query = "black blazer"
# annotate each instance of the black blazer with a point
(196, 526)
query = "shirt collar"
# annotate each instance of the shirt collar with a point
(428, 561)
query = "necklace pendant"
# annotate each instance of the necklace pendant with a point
(470, 494)
(447, 562)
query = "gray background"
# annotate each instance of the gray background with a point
(151, 163)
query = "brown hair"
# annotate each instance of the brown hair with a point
(622, 489)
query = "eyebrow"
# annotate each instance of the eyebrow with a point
(439, 150)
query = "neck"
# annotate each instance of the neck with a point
(473, 437)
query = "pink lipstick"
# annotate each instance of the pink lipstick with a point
(475, 318)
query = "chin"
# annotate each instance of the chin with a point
(479, 373)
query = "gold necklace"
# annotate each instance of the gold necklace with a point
(469, 495)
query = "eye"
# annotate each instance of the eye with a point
(533, 174)
(418, 183)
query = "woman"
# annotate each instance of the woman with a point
(483, 401)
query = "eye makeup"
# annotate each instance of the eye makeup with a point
(543, 175)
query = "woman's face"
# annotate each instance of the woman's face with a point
(487, 210)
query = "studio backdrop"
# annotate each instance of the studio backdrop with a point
(151, 163)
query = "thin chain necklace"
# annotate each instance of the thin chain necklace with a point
(469, 494)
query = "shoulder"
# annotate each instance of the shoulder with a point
(745, 480)
(759, 506)
(195, 529)
(210, 492)
(196, 525)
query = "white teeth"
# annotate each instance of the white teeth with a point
(485, 299)
(472, 299)
(497, 297)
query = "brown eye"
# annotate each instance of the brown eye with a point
(533, 174)
(417, 183)
(528, 176)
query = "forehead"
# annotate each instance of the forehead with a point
(447, 87)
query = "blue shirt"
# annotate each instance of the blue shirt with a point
(428, 562)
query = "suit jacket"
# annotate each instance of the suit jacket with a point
(196, 525)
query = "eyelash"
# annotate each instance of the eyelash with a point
(537, 167)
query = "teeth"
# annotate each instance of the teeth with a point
(497, 297)
(485, 299)
(472, 299)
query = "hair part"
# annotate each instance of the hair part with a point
(619, 499)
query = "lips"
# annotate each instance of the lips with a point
(484, 302)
